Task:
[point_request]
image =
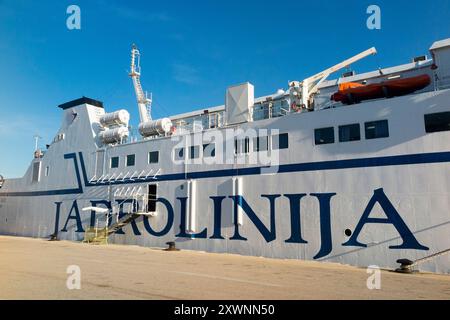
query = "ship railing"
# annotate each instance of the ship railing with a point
(121, 176)
(138, 196)
(205, 121)
(141, 175)
(270, 109)
(106, 177)
(133, 176)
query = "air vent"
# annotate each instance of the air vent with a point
(348, 74)
(419, 59)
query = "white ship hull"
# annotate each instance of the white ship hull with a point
(367, 202)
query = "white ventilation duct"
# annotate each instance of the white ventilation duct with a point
(240, 100)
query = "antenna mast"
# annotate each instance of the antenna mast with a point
(144, 102)
(36, 142)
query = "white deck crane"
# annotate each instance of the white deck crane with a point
(305, 90)
(147, 126)
(144, 102)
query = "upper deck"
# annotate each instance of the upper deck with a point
(281, 103)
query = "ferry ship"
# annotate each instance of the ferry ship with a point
(354, 170)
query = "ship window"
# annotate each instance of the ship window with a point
(377, 129)
(349, 132)
(437, 122)
(242, 146)
(131, 160)
(209, 150)
(194, 152)
(324, 135)
(261, 144)
(114, 162)
(179, 154)
(280, 141)
(47, 171)
(153, 157)
(151, 197)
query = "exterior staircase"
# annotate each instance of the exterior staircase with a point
(126, 219)
(100, 235)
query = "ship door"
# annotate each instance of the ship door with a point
(151, 197)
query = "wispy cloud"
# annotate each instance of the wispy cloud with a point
(18, 126)
(186, 74)
(13, 126)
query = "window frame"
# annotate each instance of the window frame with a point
(111, 162)
(127, 161)
(150, 153)
(192, 154)
(212, 154)
(317, 130)
(241, 146)
(285, 134)
(257, 144)
(352, 125)
(375, 122)
(176, 154)
(439, 128)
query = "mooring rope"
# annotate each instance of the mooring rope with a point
(425, 259)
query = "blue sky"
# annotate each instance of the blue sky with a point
(191, 51)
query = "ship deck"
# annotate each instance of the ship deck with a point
(36, 269)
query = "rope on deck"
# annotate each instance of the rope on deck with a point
(407, 265)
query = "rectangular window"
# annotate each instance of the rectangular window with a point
(114, 162)
(324, 135)
(153, 157)
(280, 141)
(151, 197)
(194, 152)
(209, 150)
(246, 145)
(131, 160)
(242, 146)
(377, 129)
(47, 171)
(179, 154)
(261, 144)
(437, 122)
(351, 132)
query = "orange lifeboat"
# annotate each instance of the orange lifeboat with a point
(350, 92)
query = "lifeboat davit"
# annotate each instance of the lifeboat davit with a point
(351, 92)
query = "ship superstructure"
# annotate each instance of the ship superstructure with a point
(353, 170)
